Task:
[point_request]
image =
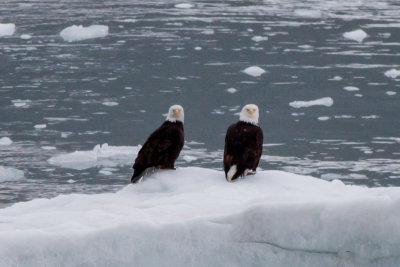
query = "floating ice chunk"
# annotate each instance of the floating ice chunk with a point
(308, 13)
(336, 78)
(71, 181)
(198, 48)
(189, 158)
(184, 6)
(351, 88)
(40, 126)
(21, 102)
(259, 38)
(371, 117)
(325, 101)
(391, 93)
(25, 36)
(48, 147)
(110, 103)
(254, 71)
(323, 118)
(101, 155)
(8, 174)
(231, 90)
(393, 73)
(357, 35)
(105, 172)
(5, 141)
(267, 219)
(7, 29)
(79, 33)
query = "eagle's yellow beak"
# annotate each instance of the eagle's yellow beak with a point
(251, 111)
(176, 111)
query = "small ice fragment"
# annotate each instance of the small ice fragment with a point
(308, 13)
(128, 88)
(336, 78)
(5, 141)
(254, 71)
(231, 90)
(79, 33)
(8, 174)
(198, 48)
(105, 172)
(40, 126)
(7, 29)
(184, 6)
(393, 73)
(358, 95)
(110, 103)
(259, 38)
(325, 101)
(323, 118)
(25, 36)
(188, 158)
(48, 147)
(391, 93)
(71, 181)
(351, 88)
(357, 35)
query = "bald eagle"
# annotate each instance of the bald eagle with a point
(163, 146)
(243, 144)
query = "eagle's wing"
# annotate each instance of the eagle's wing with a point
(229, 148)
(157, 144)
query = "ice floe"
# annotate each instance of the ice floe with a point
(25, 36)
(259, 38)
(40, 126)
(391, 93)
(7, 29)
(393, 73)
(308, 13)
(100, 155)
(357, 35)
(325, 101)
(110, 103)
(79, 33)
(231, 90)
(184, 6)
(254, 71)
(273, 218)
(5, 141)
(351, 88)
(8, 174)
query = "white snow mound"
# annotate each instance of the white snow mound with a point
(254, 71)
(393, 73)
(10, 174)
(193, 217)
(5, 141)
(100, 155)
(7, 29)
(357, 35)
(325, 101)
(79, 33)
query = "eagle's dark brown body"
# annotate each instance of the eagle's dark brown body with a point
(243, 148)
(160, 150)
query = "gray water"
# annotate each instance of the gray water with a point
(157, 55)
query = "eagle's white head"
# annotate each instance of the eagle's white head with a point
(175, 113)
(249, 114)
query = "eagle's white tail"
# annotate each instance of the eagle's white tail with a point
(231, 173)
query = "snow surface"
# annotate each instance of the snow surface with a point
(100, 155)
(325, 101)
(193, 217)
(357, 35)
(7, 29)
(79, 33)
(254, 71)
(5, 141)
(10, 174)
(393, 73)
